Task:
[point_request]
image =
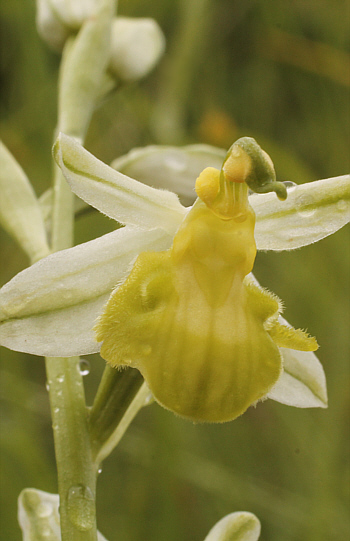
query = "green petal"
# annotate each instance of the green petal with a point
(311, 212)
(288, 337)
(120, 197)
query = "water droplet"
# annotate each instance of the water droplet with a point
(289, 185)
(84, 367)
(304, 204)
(81, 507)
(99, 470)
(149, 399)
(56, 410)
(60, 378)
(44, 510)
(47, 386)
(45, 531)
(341, 205)
(177, 161)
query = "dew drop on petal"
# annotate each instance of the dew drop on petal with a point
(46, 532)
(47, 386)
(176, 161)
(84, 367)
(341, 205)
(60, 378)
(304, 204)
(289, 185)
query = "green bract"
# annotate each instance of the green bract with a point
(51, 308)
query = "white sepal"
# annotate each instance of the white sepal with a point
(302, 383)
(239, 526)
(311, 212)
(120, 197)
(20, 212)
(170, 168)
(50, 308)
(136, 46)
(38, 516)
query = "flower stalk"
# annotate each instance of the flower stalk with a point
(116, 391)
(78, 93)
(75, 467)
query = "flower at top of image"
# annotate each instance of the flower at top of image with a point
(171, 293)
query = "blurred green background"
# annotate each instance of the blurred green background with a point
(277, 71)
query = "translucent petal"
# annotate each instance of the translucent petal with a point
(120, 197)
(239, 526)
(171, 168)
(302, 383)
(311, 212)
(50, 308)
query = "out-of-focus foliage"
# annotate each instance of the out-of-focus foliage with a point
(277, 71)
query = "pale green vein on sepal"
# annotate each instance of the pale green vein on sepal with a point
(20, 213)
(239, 526)
(120, 197)
(311, 212)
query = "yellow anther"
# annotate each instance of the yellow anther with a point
(207, 185)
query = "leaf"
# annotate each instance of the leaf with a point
(120, 197)
(311, 212)
(20, 213)
(239, 526)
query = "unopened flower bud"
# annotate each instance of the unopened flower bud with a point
(137, 45)
(57, 19)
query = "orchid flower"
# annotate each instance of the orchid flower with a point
(185, 310)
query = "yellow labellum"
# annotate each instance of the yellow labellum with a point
(203, 336)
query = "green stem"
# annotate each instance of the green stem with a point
(120, 396)
(75, 468)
